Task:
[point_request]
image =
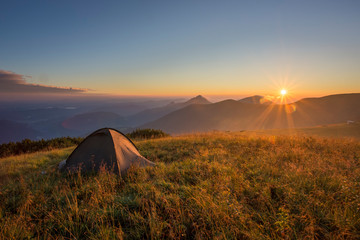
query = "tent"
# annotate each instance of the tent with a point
(105, 147)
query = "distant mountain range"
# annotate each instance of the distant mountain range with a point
(195, 115)
(155, 113)
(68, 117)
(249, 115)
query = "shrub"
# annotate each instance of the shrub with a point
(147, 134)
(29, 146)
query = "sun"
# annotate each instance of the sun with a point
(283, 92)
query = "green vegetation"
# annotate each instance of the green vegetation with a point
(146, 133)
(205, 186)
(29, 146)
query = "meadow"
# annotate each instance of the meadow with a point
(341, 130)
(204, 186)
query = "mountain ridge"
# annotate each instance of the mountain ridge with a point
(235, 116)
(155, 113)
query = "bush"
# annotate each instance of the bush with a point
(147, 134)
(29, 146)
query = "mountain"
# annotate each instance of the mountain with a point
(197, 100)
(239, 115)
(47, 117)
(255, 99)
(155, 113)
(12, 131)
(86, 122)
(328, 110)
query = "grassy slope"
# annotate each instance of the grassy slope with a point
(332, 130)
(204, 187)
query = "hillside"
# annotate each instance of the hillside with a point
(205, 186)
(239, 115)
(155, 113)
(345, 130)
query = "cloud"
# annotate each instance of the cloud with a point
(11, 82)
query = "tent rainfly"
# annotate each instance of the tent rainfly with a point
(105, 147)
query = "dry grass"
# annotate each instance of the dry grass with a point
(205, 186)
(342, 130)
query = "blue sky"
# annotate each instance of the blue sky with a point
(184, 47)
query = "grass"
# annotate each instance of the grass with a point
(342, 130)
(205, 186)
(31, 163)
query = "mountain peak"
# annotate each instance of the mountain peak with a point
(198, 100)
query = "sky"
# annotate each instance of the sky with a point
(180, 48)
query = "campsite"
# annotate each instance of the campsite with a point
(180, 120)
(203, 186)
(105, 148)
